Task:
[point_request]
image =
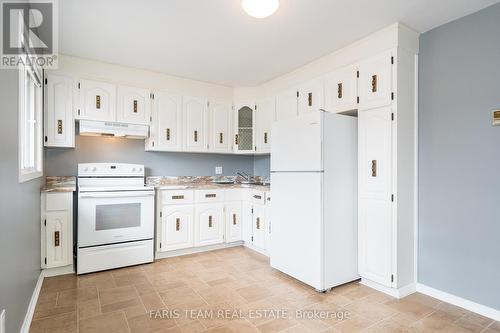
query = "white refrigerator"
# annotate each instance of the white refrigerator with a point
(314, 199)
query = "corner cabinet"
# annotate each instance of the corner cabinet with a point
(195, 114)
(244, 128)
(220, 131)
(286, 104)
(166, 123)
(59, 123)
(57, 233)
(133, 106)
(97, 101)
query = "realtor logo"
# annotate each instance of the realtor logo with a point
(29, 33)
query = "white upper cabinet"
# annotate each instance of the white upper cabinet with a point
(220, 126)
(59, 124)
(341, 90)
(311, 96)
(195, 113)
(286, 104)
(265, 115)
(166, 124)
(134, 105)
(97, 101)
(375, 81)
(244, 127)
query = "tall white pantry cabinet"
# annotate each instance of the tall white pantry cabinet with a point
(387, 160)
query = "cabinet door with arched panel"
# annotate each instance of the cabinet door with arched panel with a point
(97, 101)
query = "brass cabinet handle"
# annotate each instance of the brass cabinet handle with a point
(210, 195)
(234, 219)
(167, 134)
(57, 238)
(59, 126)
(177, 224)
(177, 197)
(258, 223)
(265, 137)
(374, 83)
(135, 106)
(210, 221)
(221, 137)
(257, 196)
(374, 168)
(195, 135)
(97, 102)
(236, 139)
(339, 90)
(310, 99)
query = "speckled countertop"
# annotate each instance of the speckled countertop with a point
(199, 182)
(59, 184)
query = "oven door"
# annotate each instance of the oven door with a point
(115, 217)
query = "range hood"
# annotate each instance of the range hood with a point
(106, 128)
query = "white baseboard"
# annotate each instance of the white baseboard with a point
(396, 293)
(192, 250)
(483, 310)
(31, 307)
(48, 272)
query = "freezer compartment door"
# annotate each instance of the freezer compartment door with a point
(296, 226)
(296, 143)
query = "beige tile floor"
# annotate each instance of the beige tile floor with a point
(232, 290)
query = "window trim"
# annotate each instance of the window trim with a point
(27, 174)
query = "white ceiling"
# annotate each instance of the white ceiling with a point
(215, 41)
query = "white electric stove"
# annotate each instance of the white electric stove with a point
(115, 217)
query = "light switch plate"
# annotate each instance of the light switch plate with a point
(218, 170)
(2, 321)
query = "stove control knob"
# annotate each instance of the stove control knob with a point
(94, 169)
(133, 169)
(140, 169)
(86, 169)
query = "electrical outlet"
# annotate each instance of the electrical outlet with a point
(218, 170)
(2, 321)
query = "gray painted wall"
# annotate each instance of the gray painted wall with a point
(262, 166)
(19, 215)
(59, 161)
(459, 221)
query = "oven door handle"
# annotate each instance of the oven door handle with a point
(135, 194)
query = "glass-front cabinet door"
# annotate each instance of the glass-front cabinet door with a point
(244, 133)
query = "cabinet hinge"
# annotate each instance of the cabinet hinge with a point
(208, 104)
(160, 245)
(150, 118)
(392, 197)
(152, 144)
(297, 93)
(45, 222)
(78, 111)
(255, 107)
(252, 238)
(252, 210)
(392, 277)
(161, 214)
(46, 139)
(392, 96)
(392, 116)
(357, 99)
(45, 80)
(357, 74)
(392, 60)
(78, 85)
(45, 260)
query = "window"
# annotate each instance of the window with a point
(30, 123)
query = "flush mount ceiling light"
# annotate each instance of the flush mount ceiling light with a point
(260, 8)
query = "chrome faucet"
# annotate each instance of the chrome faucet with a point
(244, 176)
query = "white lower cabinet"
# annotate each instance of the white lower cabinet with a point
(57, 231)
(259, 227)
(190, 219)
(176, 227)
(209, 224)
(234, 222)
